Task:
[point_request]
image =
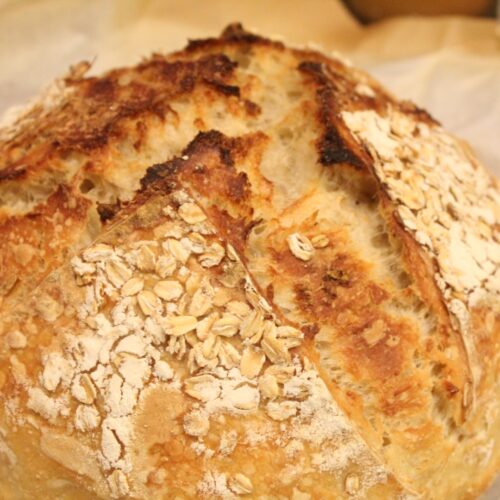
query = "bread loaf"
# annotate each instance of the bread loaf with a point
(244, 270)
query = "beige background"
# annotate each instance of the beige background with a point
(450, 66)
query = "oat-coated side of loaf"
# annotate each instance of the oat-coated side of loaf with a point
(244, 269)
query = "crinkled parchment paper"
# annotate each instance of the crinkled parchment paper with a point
(450, 66)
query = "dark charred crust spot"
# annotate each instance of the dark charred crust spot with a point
(11, 173)
(221, 88)
(185, 74)
(159, 172)
(333, 148)
(213, 140)
(107, 211)
(233, 34)
(100, 88)
(226, 157)
(236, 31)
(313, 68)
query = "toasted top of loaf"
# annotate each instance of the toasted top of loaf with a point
(244, 269)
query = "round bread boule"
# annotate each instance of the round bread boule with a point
(244, 269)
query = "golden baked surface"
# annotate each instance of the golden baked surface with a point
(244, 270)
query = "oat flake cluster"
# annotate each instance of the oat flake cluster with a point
(444, 199)
(152, 302)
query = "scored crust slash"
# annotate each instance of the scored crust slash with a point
(243, 269)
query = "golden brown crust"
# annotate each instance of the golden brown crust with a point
(306, 168)
(160, 450)
(28, 242)
(374, 347)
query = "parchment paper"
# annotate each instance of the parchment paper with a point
(450, 66)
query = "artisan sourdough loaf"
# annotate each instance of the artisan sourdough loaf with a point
(244, 270)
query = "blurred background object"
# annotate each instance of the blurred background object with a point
(369, 11)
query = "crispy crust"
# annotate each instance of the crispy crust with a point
(396, 340)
